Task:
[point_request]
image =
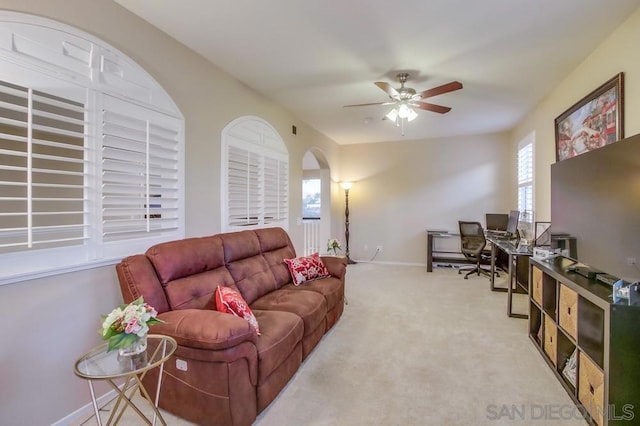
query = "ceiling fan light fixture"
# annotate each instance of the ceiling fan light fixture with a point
(412, 115)
(404, 110)
(393, 114)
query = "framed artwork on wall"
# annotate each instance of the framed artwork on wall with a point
(593, 122)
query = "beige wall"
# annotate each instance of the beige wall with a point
(403, 188)
(47, 323)
(614, 55)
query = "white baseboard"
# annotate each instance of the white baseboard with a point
(81, 415)
(378, 262)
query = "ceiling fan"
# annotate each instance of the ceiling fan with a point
(404, 99)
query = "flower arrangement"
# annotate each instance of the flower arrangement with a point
(333, 245)
(127, 323)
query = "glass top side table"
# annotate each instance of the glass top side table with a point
(98, 364)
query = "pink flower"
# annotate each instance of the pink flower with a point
(132, 326)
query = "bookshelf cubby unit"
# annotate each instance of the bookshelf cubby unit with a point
(570, 313)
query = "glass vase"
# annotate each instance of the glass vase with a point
(135, 348)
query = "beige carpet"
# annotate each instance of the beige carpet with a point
(418, 348)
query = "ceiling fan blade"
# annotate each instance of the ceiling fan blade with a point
(372, 103)
(431, 107)
(445, 88)
(389, 90)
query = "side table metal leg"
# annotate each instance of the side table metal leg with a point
(161, 369)
(95, 404)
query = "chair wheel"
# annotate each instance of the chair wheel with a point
(466, 277)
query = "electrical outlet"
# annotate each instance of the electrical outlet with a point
(631, 261)
(380, 249)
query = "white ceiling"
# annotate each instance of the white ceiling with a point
(313, 57)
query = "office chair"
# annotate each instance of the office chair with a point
(472, 245)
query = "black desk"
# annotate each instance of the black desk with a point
(514, 251)
(442, 256)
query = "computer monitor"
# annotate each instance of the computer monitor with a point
(496, 221)
(512, 225)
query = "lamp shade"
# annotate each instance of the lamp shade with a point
(346, 185)
(404, 110)
(392, 115)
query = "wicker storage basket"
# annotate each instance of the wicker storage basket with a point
(591, 388)
(568, 311)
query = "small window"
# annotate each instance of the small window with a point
(525, 181)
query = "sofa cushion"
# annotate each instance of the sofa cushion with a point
(197, 291)
(205, 329)
(247, 266)
(231, 302)
(306, 268)
(177, 259)
(137, 278)
(276, 245)
(281, 333)
(331, 288)
(308, 305)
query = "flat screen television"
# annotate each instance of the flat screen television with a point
(595, 197)
(496, 221)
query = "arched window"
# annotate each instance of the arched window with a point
(255, 176)
(91, 164)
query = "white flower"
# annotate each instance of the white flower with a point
(130, 319)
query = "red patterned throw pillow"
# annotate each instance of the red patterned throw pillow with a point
(307, 268)
(231, 302)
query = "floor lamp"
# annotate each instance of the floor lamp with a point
(346, 186)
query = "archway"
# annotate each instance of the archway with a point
(316, 203)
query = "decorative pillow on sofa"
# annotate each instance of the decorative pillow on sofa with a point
(306, 268)
(230, 301)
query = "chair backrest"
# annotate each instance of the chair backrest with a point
(472, 240)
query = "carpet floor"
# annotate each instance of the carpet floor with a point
(418, 348)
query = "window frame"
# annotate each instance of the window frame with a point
(97, 70)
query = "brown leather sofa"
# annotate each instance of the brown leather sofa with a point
(229, 373)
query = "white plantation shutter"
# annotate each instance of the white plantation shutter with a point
(255, 176)
(91, 152)
(42, 171)
(139, 171)
(525, 179)
(276, 189)
(245, 187)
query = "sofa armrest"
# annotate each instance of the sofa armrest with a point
(204, 328)
(337, 266)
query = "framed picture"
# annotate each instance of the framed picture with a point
(542, 234)
(593, 122)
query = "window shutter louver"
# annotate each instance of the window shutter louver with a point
(271, 189)
(255, 176)
(139, 171)
(244, 187)
(276, 190)
(43, 195)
